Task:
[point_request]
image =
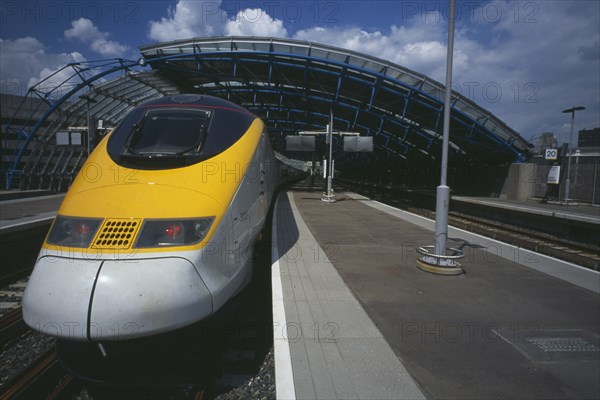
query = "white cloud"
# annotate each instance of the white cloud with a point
(419, 48)
(85, 31)
(108, 48)
(56, 75)
(25, 62)
(255, 22)
(189, 18)
(541, 56)
(193, 18)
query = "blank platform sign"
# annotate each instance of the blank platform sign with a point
(358, 144)
(300, 143)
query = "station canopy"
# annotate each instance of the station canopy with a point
(293, 85)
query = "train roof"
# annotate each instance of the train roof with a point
(197, 100)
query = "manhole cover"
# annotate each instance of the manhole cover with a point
(558, 345)
(569, 344)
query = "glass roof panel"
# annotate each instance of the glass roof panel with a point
(319, 53)
(337, 56)
(365, 68)
(244, 45)
(359, 62)
(208, 48)
(409, 79)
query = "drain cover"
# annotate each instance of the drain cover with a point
(559, 345)
(569, 344)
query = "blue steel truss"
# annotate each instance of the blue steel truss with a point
(47, 97)
(292, 84)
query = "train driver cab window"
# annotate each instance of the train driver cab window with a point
(168, 131)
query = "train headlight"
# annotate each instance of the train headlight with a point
(73, 232)
(169, 232)
(201, 227)
(174, 230)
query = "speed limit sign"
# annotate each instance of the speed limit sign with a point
(551, 154)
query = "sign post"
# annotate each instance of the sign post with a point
(360, 144)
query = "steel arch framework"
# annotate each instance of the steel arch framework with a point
(293, 85)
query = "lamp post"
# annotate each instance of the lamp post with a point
(89, 100)
(568, 181)
(438, 260)
(329, 196)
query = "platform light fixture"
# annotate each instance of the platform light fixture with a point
(568, 180)
(90, 123)
(435, 259)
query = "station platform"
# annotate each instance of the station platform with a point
(578, 223)
(355, 318)
(28, 212)
(575, 212)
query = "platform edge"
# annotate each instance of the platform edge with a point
(284, 378)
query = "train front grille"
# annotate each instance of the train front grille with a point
(117, 233)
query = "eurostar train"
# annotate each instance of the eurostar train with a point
(157, 230)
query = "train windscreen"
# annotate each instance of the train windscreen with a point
(169, 131)
(170, 134)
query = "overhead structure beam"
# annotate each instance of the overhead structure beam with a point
(79, 70)
(422, 96)
(293, 80)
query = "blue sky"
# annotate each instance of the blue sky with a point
(525, 61)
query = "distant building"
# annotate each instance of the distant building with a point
(548, 141)
(545, 140)
(589, 138)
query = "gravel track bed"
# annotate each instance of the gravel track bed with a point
(16, 358)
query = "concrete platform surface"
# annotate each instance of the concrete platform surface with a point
(501, 330)
(336, 350)
(580, 212)
(27, 211)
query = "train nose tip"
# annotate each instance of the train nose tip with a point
(57, 298)
(144, 297)
(114, 300)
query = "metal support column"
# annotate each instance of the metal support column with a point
(329, 197)
(569, 153)
(439, 261)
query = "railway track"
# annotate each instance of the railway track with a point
(12, 327)
(585, 255)
(11, 277)
(43, 379)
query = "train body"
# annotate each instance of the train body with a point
(157, 230)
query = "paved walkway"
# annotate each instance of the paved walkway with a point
(28, 212)
(364, 322)
(337, 352)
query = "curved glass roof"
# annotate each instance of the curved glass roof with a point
(293, 85)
